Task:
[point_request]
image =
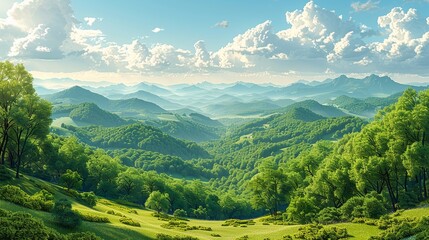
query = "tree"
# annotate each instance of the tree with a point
(15, 82)
(32, 117)
(103, 170)
(158, 201)
(71, 179)
(63, 214)
(269, 188)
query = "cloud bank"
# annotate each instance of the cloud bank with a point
(317, 40)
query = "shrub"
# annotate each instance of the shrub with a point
(328, 215)
(161, 236)
(14, 194)
(82, 236)
(42, 200)
(64, 216)
(319, 232)
(351, 209)
(374, 208)
(88, 198)
(92, 218)
(129, 221)
(179, 213)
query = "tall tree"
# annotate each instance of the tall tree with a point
(32, 116)
(15, 82)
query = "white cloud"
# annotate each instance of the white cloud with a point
(33, 23)
(365, 6)
(202, 57)
(91, 20)
(317, 39)
(157, 30)
(222, 24)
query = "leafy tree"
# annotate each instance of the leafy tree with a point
(63, 214)
(269, 188)
(15, 82)
(158, 201)
(32, 120)
(71, 179)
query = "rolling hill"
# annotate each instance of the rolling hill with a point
(128, 107)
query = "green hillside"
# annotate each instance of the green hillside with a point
(138, 136)
(151, 227)
(93, 115)
(314, 106)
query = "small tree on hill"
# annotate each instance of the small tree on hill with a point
(71, 180)
(158, 201)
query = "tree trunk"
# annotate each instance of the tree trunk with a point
(391, 191)
(424, 184)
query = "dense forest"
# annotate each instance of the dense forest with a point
(298, 165)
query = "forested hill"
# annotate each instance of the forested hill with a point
(316, 107)
(279, 137)
(138, 136)
(77, 95)
(88, 114)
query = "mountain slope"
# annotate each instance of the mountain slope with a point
(138, 136)
(128, 107)
(91, 114)
(314, 106)
(149, 97)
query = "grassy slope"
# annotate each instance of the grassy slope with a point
(150, 225)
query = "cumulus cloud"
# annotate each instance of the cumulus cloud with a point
(222, 24)
(157, 30)
(317, 40)
(91, 20)
(35, 24)
(202, 57)
(359, 7)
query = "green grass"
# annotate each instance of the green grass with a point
(151, 226)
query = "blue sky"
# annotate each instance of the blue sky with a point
(172, 41)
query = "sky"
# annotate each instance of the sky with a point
(190, 41)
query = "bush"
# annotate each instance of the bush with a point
(82, 236)
(184, 226)
(14, 194)
(180, 213)
(42, 200)
(350, 209)
(238, 222)
(92, 218)
(374, 208)
(64, 216)
(161, 236)
(88, 198)
(129, 221)
(329, 215)
(17, 226)
(319, 232)
(22, 226)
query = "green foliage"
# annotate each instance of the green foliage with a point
(180, 213)
(64, 216)
(42, 200)
(71, 179)
(319, 232)
(181, 225)
(139, 136)
(162, 236)
(129, 221)
(237, 222)
(92, 217)
(92, 114)
(329, 215)
(158, 201)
